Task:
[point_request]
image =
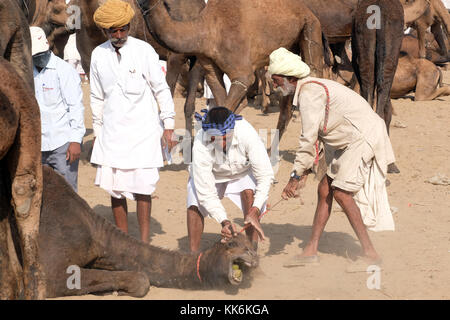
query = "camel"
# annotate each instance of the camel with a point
(73, 236)
(419, 75)
(15, 40)
(424, 14)
(375, 54)
(237, 37)
(51, 16)
(20, 155)
(410, 45)
(90, 36)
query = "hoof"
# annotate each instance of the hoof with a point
(392, 168)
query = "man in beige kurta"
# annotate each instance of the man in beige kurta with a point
(356, 147)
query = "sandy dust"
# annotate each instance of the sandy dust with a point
(416, 256)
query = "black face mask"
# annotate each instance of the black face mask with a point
(41, 59)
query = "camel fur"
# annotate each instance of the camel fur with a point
(237, 37)
(20, 155)
(73, 236)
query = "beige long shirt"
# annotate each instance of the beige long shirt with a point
(350, 117)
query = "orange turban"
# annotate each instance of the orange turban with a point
(113, 14)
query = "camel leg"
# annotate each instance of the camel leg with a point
(11, 284)
(195, 77)
(238, 89)
(421, 33)
(265, 90)
(9, 122)
(426, 87)
(311, 46)
(95, 281)
(363, 61)
(174, 65)
(285, 114)
(24, 161)
(445, 91)
(214, 79)
(439, 36)
(442, 12)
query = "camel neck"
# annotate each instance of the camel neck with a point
(178, 36)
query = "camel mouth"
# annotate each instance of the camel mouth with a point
(235, 273)
(238, 267)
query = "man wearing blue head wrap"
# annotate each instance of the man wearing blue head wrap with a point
(228, 160)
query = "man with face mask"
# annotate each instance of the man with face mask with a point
(229, 160)
(357, 152)
(127, 87)
(58, 92)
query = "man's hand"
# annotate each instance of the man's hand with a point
(167, 139)
(290, 191)
(73, 152)
(228, 230)
(252, 219)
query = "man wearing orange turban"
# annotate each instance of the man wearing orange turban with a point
(127, 87)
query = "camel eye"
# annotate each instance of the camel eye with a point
(231, 244)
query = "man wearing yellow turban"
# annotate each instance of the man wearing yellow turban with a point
(127, 87)
(357, 152)
(113, 14)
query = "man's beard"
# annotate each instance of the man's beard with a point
(286, 89)
(118, 42)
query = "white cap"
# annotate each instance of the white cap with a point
(39, 41)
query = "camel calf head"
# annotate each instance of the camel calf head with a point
(229, 262)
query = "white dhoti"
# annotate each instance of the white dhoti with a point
(231, 190)
(355, 170)
(125, 183)
(372, 200)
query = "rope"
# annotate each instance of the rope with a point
(263, 214)
(146, 12)
(198, 266)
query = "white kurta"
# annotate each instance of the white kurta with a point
(125, 96)
(246, 154)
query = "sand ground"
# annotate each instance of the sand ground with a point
(416, 255)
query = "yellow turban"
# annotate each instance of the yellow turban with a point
(113, 14)
(285, 63)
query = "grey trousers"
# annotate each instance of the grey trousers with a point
(57, 160)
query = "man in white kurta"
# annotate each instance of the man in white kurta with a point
(357, 152)
(230, 162)
(127, 85)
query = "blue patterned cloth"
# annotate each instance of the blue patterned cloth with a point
(216, 129)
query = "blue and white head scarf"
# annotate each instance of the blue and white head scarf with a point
(217, 129)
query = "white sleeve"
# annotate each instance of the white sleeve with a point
(261, 167)
(158, 84)
(204, 180)
(97, 98)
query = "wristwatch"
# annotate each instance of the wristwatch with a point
(294, 175)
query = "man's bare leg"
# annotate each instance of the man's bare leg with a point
(144, 210)
(195, 225)
(120, 212)
(247, 198)
(348, 204)
(323, 211)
